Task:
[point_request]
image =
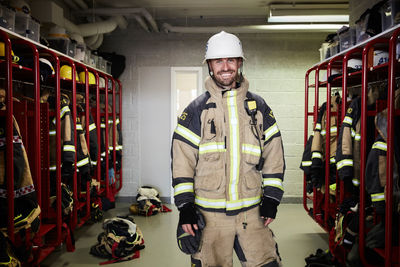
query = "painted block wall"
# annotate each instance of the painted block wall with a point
(276, 65)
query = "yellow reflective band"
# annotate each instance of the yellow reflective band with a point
(62, 113)
(271, 131)
(378, 197)
(26, 218)
(210, 203)
(79, 127)
(317, 155)
(94, 162)
(323, 132)
(333, 129)
(345, 162)
(251, 149)
(318, 126)
(103, 154)
(332, 160)
(110, 121)
(274, 182)
(306, 163)
(353, 133)
(355, 182)
(183, 188)
(102, 125)
(53, 168)
(70, 148)
(117, 121)
(52, 132)
(188, 134)
(242, 203)
(380, 145)
(234, 145)
(332, 187)
(82, 162)
(212, 147)
(357, 137)
(92, 127)
(348, 120)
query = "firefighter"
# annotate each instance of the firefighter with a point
(227, 163)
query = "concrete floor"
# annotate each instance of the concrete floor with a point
(296, 233)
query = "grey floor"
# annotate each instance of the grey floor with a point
(296, 233)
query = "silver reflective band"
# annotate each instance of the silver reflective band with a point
(92, 127)
(52, 132)
(82, 162)
(70, 148)
(275, 182)
(251, 149)
(183, 188)
(348, 120)
(356, 182)
(187, 134)
(306, 163)
(212, 147)
(79, 127)
(332, 160)
(345, 162)
(318, 126)
(271, 131)
(377, 197)
(380, 145)
(316, 155)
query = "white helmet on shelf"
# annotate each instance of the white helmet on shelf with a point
(354, 63)
(223, 45)
(380, 57)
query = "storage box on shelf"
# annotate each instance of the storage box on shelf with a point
(7, 18)
(27, 26)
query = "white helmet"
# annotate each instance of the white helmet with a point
(223, 45)
(354, 63)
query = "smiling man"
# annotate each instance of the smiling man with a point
(227, 167)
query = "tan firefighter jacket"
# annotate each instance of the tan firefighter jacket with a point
(215, 152)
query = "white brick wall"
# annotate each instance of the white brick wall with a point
(276, 66)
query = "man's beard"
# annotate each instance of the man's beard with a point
(226, 82)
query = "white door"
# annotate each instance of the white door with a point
(186, 85)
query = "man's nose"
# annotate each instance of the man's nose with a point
(225, 65)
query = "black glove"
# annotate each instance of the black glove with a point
(268, 207)
(187, 214)
(186, 242)
(317, 176)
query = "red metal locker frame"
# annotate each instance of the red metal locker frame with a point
(390, 144)
(119, 93)
(363, 146)
(9, 132)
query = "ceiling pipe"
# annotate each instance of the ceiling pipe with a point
(98, 43)
(255, 28)
(91, 40)
(127, 12)
(141, 22)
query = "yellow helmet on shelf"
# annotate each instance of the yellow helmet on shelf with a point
(15, 59)
(66, 73)
(92, 79)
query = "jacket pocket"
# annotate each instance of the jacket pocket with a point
(253, 180)
(209, 176)
(251, 149)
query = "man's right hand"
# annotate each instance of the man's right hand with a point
(188, 218)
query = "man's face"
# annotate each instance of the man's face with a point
(225, 70)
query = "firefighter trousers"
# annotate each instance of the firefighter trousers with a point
(245, 233)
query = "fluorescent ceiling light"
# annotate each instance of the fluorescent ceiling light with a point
(309, 18)
(315, 27)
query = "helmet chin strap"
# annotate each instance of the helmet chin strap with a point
(238, 82)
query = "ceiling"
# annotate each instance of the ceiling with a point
(202, 9)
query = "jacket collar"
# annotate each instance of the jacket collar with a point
(217, 91)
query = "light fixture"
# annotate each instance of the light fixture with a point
(308, 13)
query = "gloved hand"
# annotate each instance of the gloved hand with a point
(188, 243)
(187, 214)
(268, 207)
(317, 176)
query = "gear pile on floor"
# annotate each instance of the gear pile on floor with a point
(121, 240)
(321, 259)
(148, 202)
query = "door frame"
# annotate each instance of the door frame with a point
(174, 71)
